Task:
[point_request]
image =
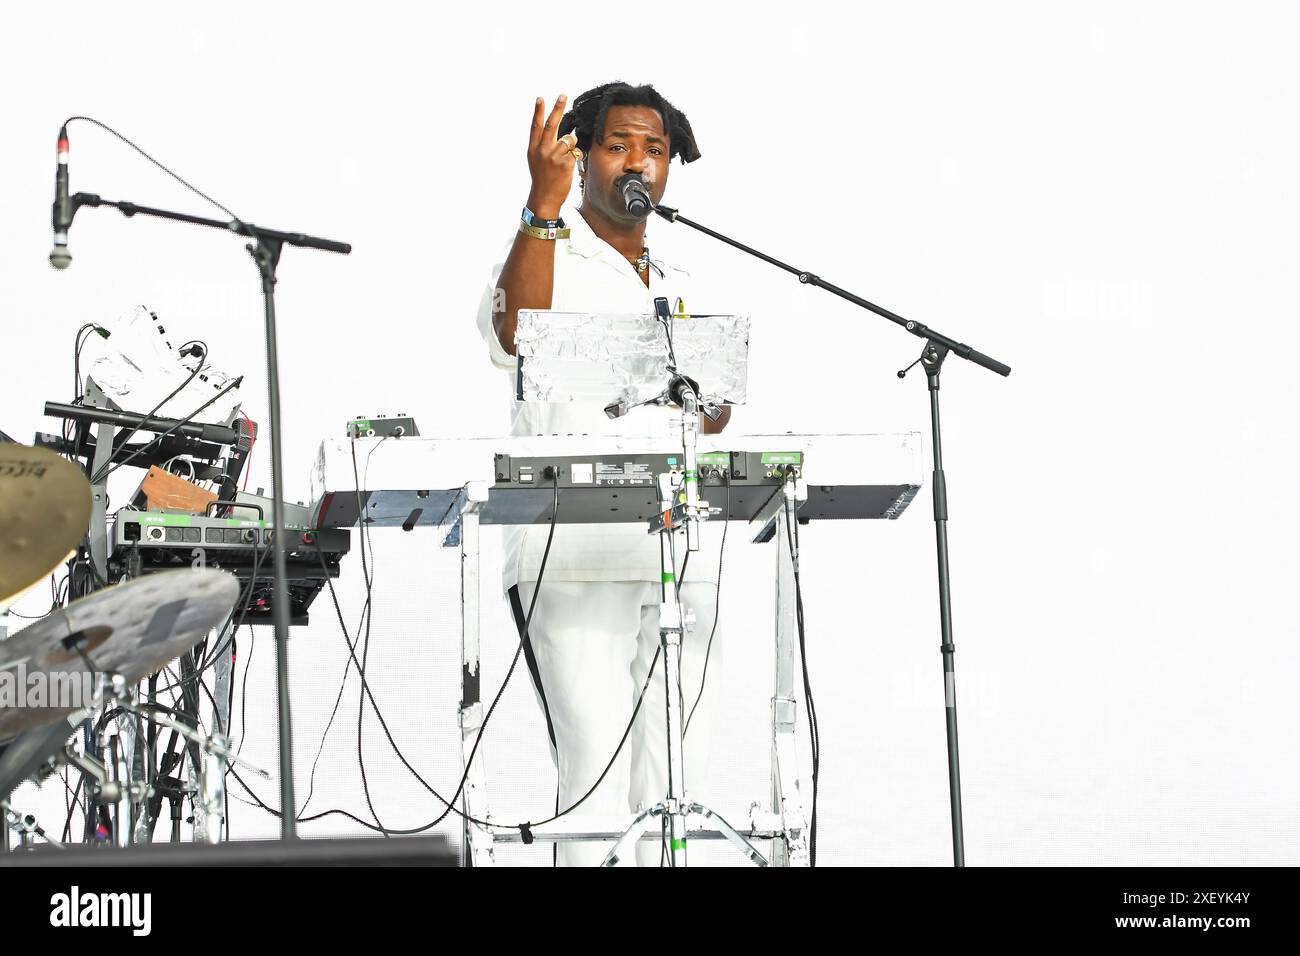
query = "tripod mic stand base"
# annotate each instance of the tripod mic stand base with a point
(645, 819)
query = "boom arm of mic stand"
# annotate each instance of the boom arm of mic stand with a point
(239, 228)
(809, 278)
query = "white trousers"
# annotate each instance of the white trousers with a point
(593, 643)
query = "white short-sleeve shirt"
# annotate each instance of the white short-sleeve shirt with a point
(593, 276)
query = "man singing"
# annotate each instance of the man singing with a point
(595, 628)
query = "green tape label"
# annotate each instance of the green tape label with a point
(171, 520)
(719, 458)
(186, 521)
(782, 458)
(668, 577)
(678, 844)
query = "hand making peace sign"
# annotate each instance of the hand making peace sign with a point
(551, 160)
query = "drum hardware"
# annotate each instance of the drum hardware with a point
(209, 799)
(25, 825)
(129, 800)
(130, 629)
(88, 655)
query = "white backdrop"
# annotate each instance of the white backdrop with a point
(1102, 195)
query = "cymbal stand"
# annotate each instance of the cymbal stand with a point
(112, 775)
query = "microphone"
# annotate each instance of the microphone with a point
(635, 195)
(60, 258)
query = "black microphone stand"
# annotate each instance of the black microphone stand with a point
(265, 250)
(937, 348)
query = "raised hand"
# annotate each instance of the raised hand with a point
(551, 159)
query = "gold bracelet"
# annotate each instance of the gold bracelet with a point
(537, 232)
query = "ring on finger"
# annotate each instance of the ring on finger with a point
(576, 154)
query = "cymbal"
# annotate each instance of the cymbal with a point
(132, 629)
(44, 511)
(25, 754)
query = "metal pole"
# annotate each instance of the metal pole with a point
(266, 254)
(933, 361)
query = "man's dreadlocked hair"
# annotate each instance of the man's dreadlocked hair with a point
(587, 118)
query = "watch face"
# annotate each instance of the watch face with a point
(530, 219)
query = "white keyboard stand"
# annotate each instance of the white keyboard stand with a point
(783, 822)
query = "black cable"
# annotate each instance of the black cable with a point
(230, 694)
(524, 636)
(230, 707)
(369, 826)
(681, 634)
(109, 469)
(367, 543)
(628, 730)
(679, 579)
(97, 730)
(668, 331)
(120, 442)
(34, 617)
(243, 692)
(301, 819)
(72, 800)
(210, 657)
(347, 664)
(229, 764)
(193, 189)
(717, 605)
(82, 337)
(450, 804)
(347, 671)
(185, 684)
(365, 686)
(325, 813)
(79, 342)
(814, 734)
(55, 604)
(211, 653)
(368, 614)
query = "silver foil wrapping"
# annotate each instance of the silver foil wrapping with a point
(602, 358)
